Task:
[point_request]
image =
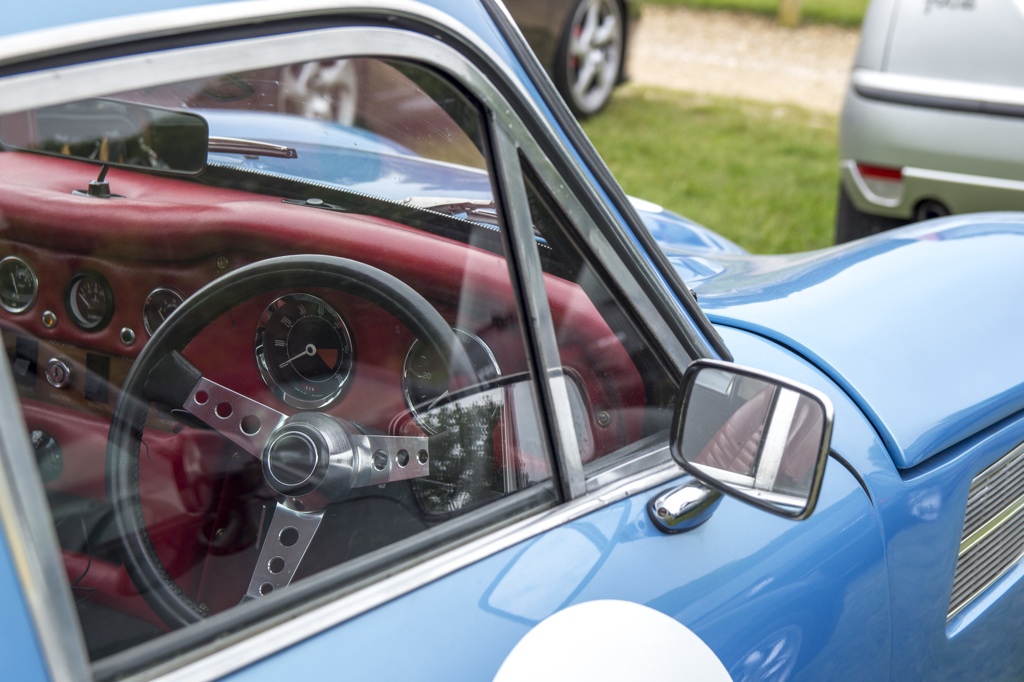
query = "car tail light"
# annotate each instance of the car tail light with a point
(880, 172)
(884, 182)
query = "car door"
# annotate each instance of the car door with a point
(168, 536)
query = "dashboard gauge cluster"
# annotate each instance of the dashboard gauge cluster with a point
(89, 300)
(19, 285)
(425, 374)
(88, 296)
(304, 351)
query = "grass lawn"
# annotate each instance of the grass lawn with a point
(763, 175)
(842, 12)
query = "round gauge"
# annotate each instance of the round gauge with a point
(425, 374)
(160, 303)
(19, 285)
(304, 351)
(89, 300)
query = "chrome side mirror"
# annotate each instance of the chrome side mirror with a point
(753, 435)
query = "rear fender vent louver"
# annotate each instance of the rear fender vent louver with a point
(993, 537)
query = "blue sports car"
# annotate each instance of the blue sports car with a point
(335, 352)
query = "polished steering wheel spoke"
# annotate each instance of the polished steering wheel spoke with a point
(384, 459)
(244, 421)
(287, 540)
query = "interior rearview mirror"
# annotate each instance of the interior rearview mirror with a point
(753, 435)
(113, 133)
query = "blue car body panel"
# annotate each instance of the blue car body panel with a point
(19, 647)
(676, 234)
(773, 598)
(921, 516)
(22, 17)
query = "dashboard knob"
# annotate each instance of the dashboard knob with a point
(48, 455)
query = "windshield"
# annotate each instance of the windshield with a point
(383, 129)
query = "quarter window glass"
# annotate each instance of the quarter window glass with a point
(623, 390)
(303, 361)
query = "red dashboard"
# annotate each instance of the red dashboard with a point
(181, 235)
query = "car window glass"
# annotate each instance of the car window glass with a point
(623, 389)
(300, 362)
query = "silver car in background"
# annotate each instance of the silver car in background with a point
(933, 120)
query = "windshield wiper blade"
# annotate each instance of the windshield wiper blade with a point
(254, 148)
(477, 210)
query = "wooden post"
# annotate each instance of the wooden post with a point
(789, 13)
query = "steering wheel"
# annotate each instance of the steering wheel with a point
(309, 459)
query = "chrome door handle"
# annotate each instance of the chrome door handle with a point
(684, 507)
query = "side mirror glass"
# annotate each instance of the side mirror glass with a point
(752, 435)
(113, 133)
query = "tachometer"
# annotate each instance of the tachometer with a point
(304, 351)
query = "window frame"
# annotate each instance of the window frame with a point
(490, 81)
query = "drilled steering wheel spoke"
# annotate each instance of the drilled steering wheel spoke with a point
(287, 540)
(383, 459)
(244, 421)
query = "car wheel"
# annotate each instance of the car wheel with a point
(852, 223)
(590, 54)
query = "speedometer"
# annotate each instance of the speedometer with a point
(304, 351)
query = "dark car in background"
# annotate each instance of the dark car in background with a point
(581, 43)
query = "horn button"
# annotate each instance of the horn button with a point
(315, 459)
(295, 461)
(310, 456)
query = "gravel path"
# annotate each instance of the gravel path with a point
(740, 55)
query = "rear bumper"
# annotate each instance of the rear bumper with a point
(967, 157)
(958, 192)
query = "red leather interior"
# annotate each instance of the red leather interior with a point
(166, 232)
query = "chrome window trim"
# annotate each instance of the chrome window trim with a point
(648, 453)
(939, 93)
(139, 71)
(667, 288)
(608, 254)
(268, 642)
(587, 226)
(32, 541)
(534, 302)
(92, 79)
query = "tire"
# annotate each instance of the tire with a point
(854, 224)
(590, 55)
